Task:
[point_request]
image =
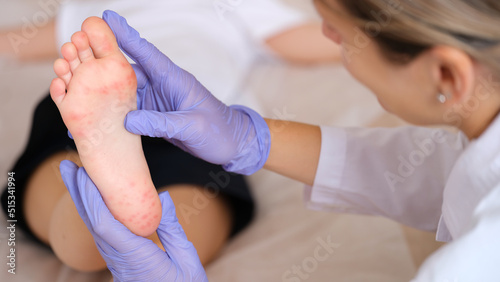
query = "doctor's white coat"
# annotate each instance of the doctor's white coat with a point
(429, 179)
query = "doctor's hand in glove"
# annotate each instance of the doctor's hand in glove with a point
(174, 105)
(130, 257)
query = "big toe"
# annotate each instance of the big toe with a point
(101, 37)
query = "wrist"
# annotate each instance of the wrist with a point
(255, 150)
(295, 150)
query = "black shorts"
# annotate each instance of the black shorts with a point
(168, 165)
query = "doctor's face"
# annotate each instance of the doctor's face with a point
(398, 87)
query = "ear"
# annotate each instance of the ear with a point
(454, 73)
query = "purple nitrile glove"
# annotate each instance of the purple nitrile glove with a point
(174, 105)
(130, 257)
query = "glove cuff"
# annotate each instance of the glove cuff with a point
(256, 153)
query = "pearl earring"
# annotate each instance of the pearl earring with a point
(442, 98)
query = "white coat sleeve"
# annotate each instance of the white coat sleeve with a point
(399, 173)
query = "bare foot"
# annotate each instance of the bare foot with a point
(95, 89)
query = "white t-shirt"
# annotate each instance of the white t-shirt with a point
(217, 40)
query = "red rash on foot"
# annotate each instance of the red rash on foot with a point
(132, 218)
(86, 90)
(145, 197)
(76, 116)
(131, 79)
(106, 48)
(118, 86)
(77, 133)
(101, 91)
(104, 91)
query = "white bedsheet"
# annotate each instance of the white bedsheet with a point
(284, 234)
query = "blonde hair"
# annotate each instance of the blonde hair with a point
(405, 28)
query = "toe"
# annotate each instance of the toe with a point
(57, 90)
(62, 70)
(101, 37)
(81, 42)
(70, 53)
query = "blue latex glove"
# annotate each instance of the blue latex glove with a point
(130, 257)
(174, 105)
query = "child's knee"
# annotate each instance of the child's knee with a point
(70, 239)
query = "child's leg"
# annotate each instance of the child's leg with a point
(305, 44)
(208, 228)
(39, 44)
(52, 216)
(95, 89)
